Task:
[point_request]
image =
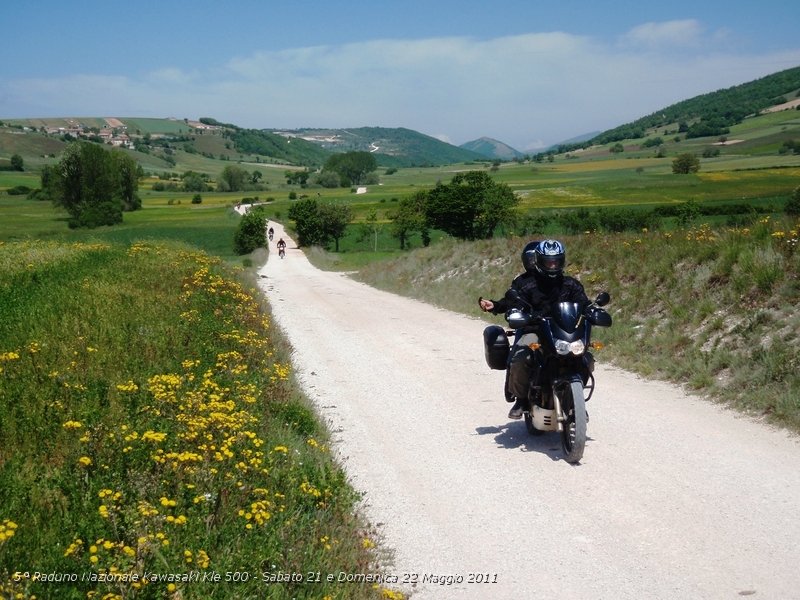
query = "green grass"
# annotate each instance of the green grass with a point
(208, 226)
(149, 424)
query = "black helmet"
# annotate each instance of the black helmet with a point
(549, 257)
(529, 256)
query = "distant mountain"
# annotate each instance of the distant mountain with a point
(491, 148)
(392, 147)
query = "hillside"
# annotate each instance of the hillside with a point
(491, 148)
(713, 113)
(744, 111)
(392, 147)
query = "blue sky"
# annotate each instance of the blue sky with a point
(526, 72)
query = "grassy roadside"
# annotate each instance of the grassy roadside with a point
(150, 430)
(714, 309)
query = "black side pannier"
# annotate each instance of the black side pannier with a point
(496, 347)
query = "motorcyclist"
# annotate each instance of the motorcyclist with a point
(543, 285)
(271, 232)
(281, 246)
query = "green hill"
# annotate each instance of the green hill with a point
(713, 113)
(392, 147)
(165, 138)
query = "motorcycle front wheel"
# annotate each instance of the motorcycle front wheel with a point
(573, 437)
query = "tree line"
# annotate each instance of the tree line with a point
(470, 207)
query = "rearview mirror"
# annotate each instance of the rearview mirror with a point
(602, 299)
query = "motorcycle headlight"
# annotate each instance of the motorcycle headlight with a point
(577, 347)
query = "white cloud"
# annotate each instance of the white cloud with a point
(685, 33)
(543, 87)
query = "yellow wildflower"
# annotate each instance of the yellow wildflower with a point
(7, 530)
(74, 547)
(130, 386)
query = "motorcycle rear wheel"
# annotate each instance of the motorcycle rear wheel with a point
(573, 437)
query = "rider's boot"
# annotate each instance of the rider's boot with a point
(516, 410)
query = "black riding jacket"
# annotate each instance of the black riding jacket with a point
(544, 293)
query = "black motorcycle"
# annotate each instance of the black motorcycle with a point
(563, 366)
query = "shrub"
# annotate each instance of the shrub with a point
(20, 190)
(793, 206)
(685, 163)
(251, 232)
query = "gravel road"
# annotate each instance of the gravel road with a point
(675, 498)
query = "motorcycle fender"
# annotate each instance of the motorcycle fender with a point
(560, 382)
(565, 381)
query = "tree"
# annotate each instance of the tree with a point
(298, 177)
(685, 163)
(471, 206)
(251, 232)
(369, 229)
(195, 182)
(688, 212)
(92, 184)
(334, 218)
(307, 223)
(232, 179)
(127, 172)
(329, 179)
(17, 162)
(409, 218)
(352, 167)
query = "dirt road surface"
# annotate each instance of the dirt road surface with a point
(676, 498)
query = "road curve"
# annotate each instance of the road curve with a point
(676, 497)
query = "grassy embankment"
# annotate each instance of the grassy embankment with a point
(715, 309)
(148, 424)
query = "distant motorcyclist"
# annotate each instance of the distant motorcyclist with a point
(281, 247)
(271, 233)
(543, 285)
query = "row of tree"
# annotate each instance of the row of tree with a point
(340, 170)
(470, 207)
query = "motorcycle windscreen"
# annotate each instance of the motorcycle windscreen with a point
(568, 316)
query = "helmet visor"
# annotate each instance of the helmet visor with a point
(552, 263)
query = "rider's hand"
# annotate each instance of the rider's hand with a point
(486, 305)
